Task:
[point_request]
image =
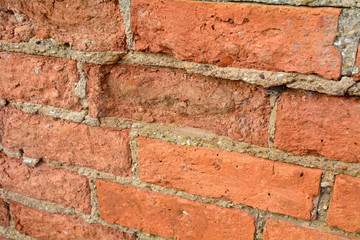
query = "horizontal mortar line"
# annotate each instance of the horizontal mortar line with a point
(264, 78)
(276, 3)
(56, 208)
(51, 48)
(10, 232)
(199, 138)
(339, 167)
(229, 204)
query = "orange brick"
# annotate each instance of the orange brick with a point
(275, 38)
(344, 211)
(156, 94)
(86, 25)
(169, 216)
(277, 230)
(44, 80)
(103, 149)
(45, 183)
(44, 225)
(260, 183)
(320, 125)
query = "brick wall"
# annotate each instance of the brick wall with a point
(179, 119)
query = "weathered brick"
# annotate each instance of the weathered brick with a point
(44, 225)
(170, 216)
(277, 230)
(36, 79)
(87, 25)
(45, 183)
(275, 38)
(357, 63)
(40, 136)
(230, 108)
(321, 125)
(344, 211)
(240, 178)
(3, 238)
(4, 213)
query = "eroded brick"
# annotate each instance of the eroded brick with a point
(44, 225)
(45, 183)
(86, 25)
(44, 80)
(103, 149)
(4, 213)
(156, 94)
(169, 216)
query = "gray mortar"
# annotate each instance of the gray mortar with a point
(48, 47)
(125, 8)
(326, 188)
(80, 89)
(113, 122)
(347, 40)
(354, 90)
(260, 226)
(309, 3)
(266, 79)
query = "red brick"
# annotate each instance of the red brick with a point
(87, 25)
(277, 230)
(344, 211)
(169, 216)
(3, 238)
(40, 136)
(158, 94)
(45, 183)
(240, 178)
(275, 38)
(43, 80)
(4, 213)
(44, 225)
(321, 125)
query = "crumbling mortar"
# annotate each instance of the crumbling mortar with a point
(266, 79)
(49, 47)
(326, 189)
(125, 9)
(80, 89)
(260, 226)
(272, 120)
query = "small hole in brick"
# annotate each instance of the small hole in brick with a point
(322, 140)
(67, 44)
(301, 174)
(217, 154)
(38, 42)
(269, 194)
(237, 166)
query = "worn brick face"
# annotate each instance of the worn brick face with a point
(45, 183)
(277, 230)
(344, 211)
(86, 25)
(275, 38)
(44, 80)
(229, 108)
(235, 177)
(40, 136)
(4, 213)
(30, 221)
(316, 124)
(169, 216)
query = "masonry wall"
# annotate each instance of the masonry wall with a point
(179, 119)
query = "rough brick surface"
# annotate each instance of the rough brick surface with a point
(314, 124)
(45, 183)
(4, 213)
(87, 25)
(3, 238)
(150, 94)
(39, 136)
(277, 230)
(43, 80)
(344, 211)
(236, 177)
(357, 63)
(170, 216)
(30, 221)
(275, 38)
